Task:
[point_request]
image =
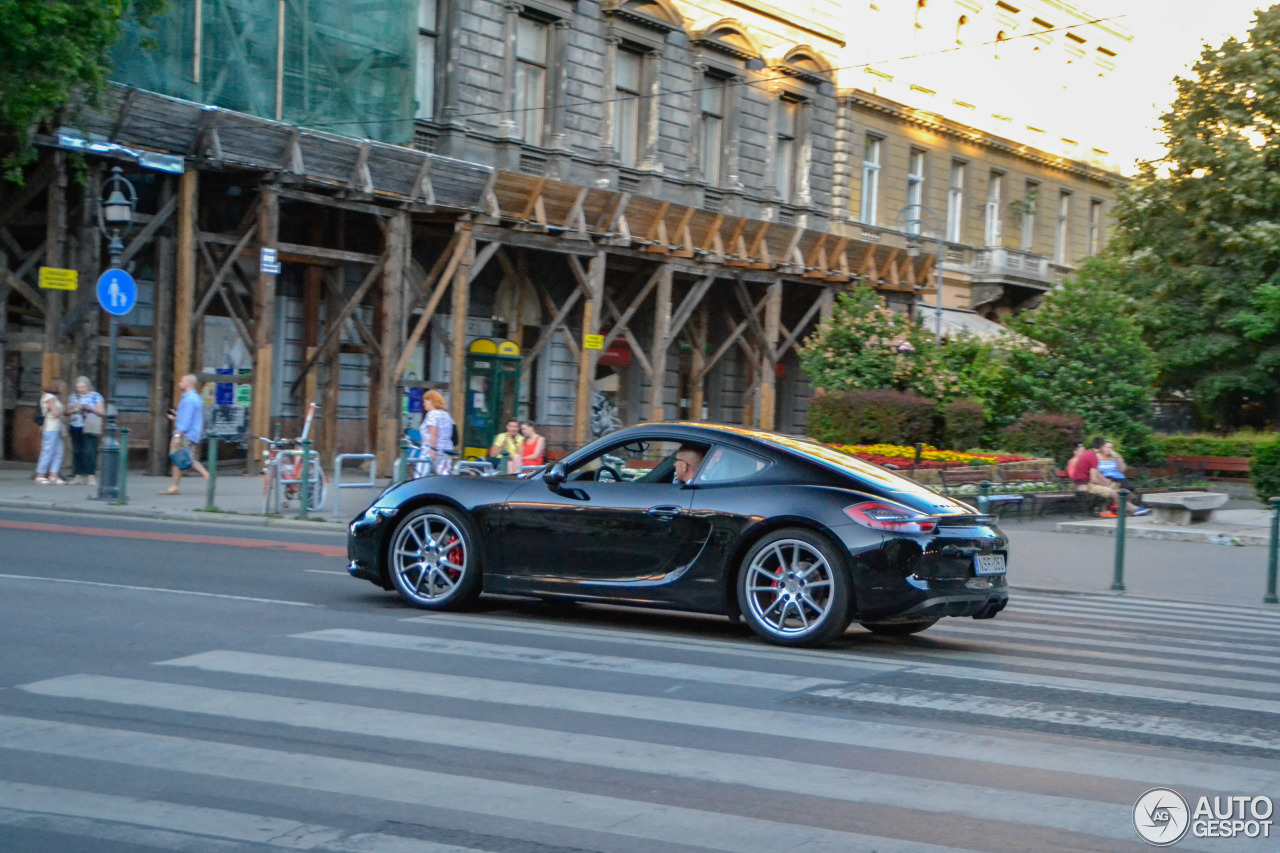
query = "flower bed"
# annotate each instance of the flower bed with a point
(902, 456)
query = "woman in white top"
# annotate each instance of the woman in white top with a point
(437, 431)
(86, 409)
(48, 469)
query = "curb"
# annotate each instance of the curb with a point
(1128, 596)
(1179, 534)
(225, 519)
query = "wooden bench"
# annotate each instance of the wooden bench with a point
(1040, 501)
(1237, 465)
(952, 477)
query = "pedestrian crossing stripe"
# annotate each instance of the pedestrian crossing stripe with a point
(657, 822)
(942, 743)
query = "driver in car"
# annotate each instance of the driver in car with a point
(688, 459)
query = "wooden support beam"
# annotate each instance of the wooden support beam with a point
(767, 415)
(588, 357)
(162, 334)
(637, 351)
(55, 256)
(220, 272)
(264, 326)
(698, 358)
(661, 345)
(791, 338)
(691, 301)
(744, 302)
(558, 317)
(735, 336)
(32, 186)
(458, 344)
(333, 325)
(330, 365)
(384, 404)
(620, 324)
(184, 276)
(460, 244)
(149, 231)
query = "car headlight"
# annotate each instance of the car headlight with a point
(374, 513)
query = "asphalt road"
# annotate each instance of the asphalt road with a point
(188, 687)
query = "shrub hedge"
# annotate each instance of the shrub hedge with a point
(1051, 435)
(872, 417)
(1264, 470)
(1207, 444)
(963, 422)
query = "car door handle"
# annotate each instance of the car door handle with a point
(666, 513)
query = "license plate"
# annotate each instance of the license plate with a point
(988, 564)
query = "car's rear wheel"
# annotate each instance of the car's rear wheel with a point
(793, 589)
(432, 561)
(899, 629)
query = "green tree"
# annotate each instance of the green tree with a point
(1087, 357)
(50, 52)
(1198, 240)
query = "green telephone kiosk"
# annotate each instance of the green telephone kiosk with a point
(493, 388)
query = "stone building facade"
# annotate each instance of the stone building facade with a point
(654, 200)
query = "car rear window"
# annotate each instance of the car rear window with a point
(847, 464)
(725, 465)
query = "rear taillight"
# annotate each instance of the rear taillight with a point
(894, 519)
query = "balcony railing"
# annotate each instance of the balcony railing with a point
(994, 264)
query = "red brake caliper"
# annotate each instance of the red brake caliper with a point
(453, 553)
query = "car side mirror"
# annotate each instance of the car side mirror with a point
(555, 475)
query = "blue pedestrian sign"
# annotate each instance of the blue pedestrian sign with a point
(117, 292)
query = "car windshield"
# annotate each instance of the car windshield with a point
(847, 464)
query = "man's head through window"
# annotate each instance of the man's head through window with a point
(688, 458)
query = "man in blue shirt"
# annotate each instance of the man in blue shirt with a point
(188, 427)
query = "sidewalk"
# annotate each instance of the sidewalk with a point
(1228, 526)
(238, 500)
(1040, 555)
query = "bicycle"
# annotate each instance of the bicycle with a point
(282, 470)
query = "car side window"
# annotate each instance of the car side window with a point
(725, 465)
(632, 462)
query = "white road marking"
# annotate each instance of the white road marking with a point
(1042, 712)
(926, 740)
(580, 660)
(555, 807)
(111, 817)
(162, 589)
(979, 803)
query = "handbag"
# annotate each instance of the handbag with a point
(92, 424)
(38, 417)
(181, 459)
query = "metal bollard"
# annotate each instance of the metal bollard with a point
(122, 496)
(304, 488)
(1117, 583)
(1270, 597)
(401, 474)
(212, 465)
(984, 497)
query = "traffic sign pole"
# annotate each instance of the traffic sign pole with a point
(117, 294)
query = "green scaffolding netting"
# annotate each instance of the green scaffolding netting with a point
(342, 66)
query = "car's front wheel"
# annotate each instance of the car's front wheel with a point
(432, 561)
(793, 589)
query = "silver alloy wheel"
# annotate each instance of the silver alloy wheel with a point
(429, 558)
(790, 588)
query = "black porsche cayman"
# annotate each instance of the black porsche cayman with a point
(793, 536)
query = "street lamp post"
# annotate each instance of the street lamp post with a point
(914, 219)
(115, 216)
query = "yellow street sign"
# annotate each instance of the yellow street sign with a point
(593, 341)
(52, 278)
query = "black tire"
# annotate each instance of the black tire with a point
(898, 629)
(446, 574)
(794, 588)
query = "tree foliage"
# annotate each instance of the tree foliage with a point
(51, 51)
(1198, 238)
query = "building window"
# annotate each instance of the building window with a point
(531, 78)
(1095, 226)
(994, 225)
(915, 188)
(786, 148)
(1029, 198)
(871, 178)
(711, 101)
(425, 85)
(1061, 249)
(955, 201)
(626, 127)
